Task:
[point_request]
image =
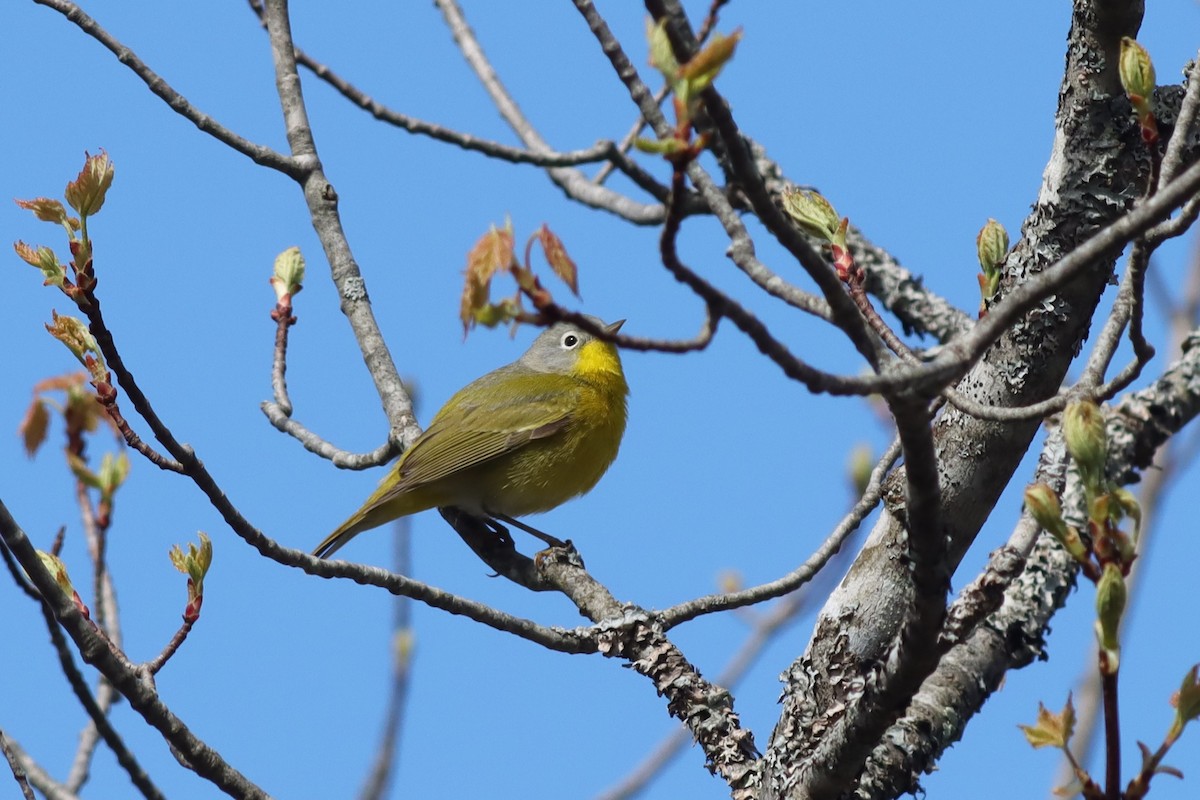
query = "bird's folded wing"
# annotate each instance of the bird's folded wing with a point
(463, 440)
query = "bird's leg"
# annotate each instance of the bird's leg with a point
(545, 537)
(501, 532)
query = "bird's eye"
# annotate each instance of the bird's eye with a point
(569, 341)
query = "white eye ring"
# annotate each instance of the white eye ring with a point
(569, 341)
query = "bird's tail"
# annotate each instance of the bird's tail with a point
(344, 533)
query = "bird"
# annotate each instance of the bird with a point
(522, 439)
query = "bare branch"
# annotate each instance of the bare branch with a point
(279, 413)
(97, 651)
(1013, 636)
(630, 633)
(677, 615)
(15, 765)
(1174, 158)
(601, 151)
(259, 154)
(37, 777)
(572, 181)
(96, 713)
(154, 665)
(762, 633)
(106, 616)
(1171, 458)
(322, 206)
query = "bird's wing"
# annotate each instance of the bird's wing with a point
(465, 435)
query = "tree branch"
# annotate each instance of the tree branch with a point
(58, 608)
(259, 154)
(685, 612)
(322, 206)
(573, 182)
(1013, 636)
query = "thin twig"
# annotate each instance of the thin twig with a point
(678, 614)
(105, 616)
(96, 650)
(571, 180)
(279, 412)
(18, 575)
(38, 777)
(1112, 734)
(1171, 459)
(1189, 108)
(257, 153)
(602, 151)
(159, 661)
(98, 328)
(322, 201)
(555, 313)
(98, 716)
(710, 21)
(15, 765)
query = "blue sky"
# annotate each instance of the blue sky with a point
(917, 126)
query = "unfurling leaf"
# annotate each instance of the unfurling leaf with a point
(662, 57)
(1051, 730)
(34, 425)
(82, 472)
(702, 69)
(1042, 504)
(662, 147)
(490, 315)
(44, 259)
(558, 259)
(79, 340)
(47, 210)
(474, 298)
(491, 254)
(194, 563)
(113, 471)
(86, 193)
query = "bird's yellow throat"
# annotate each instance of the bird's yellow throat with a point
(598, 362)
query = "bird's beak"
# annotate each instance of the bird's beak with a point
(614, 327)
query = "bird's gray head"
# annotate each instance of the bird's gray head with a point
(558, 347)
